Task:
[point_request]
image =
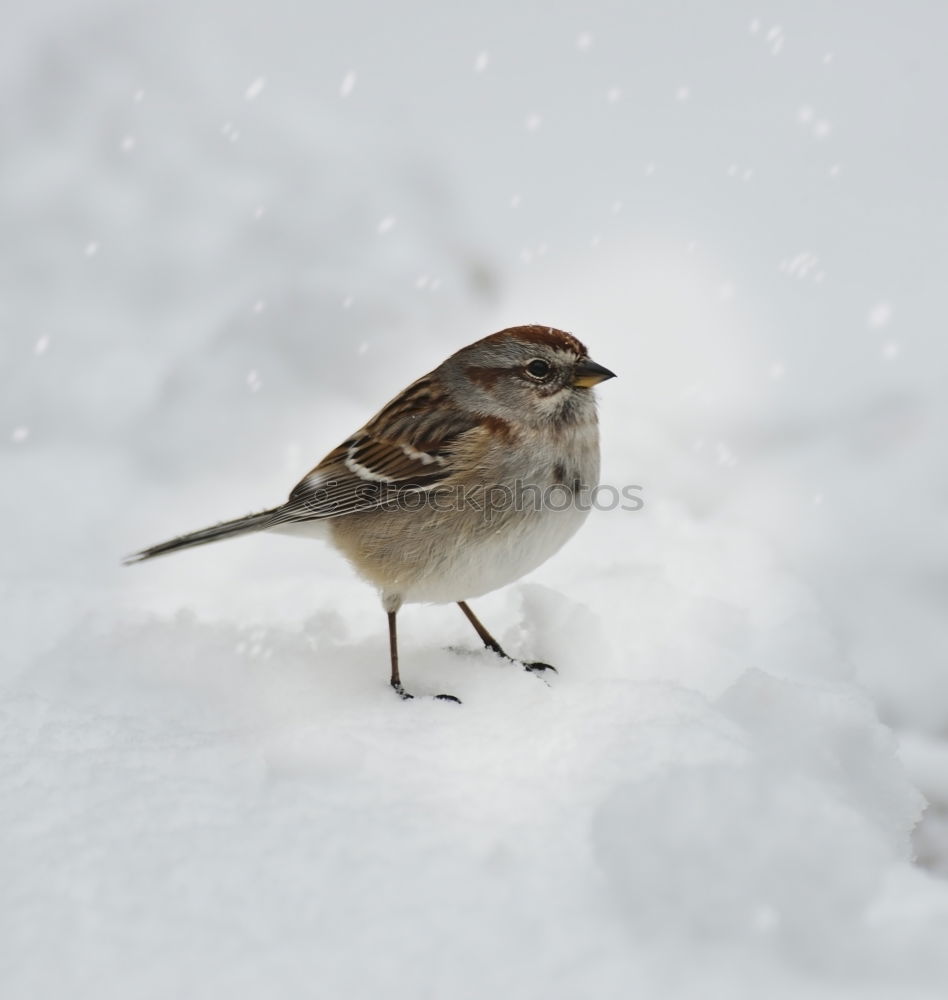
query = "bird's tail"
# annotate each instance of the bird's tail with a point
(239, 526)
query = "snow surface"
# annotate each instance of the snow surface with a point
(206, 786)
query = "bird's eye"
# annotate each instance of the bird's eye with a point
(538, 369)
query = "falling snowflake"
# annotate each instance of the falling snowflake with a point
(91, 249)
(725, 457)
(348, 83)
(533, 122)
(19, 434)
(481, 61)
(253, 380)
(127, 143)
(820, 128)
(879, 315)
(736, 170)
(613, 94)
(386, 225)
(891, 350)
(775, 39)
(584, 41)
(802, 265)
(255, 89)
(683, 94)
(777, 370)
(42, 345)
(515, 201)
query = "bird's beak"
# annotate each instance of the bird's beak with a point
(587, 374)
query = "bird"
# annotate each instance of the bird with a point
(470, 478)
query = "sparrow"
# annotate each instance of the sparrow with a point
(467, 480)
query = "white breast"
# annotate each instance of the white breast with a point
(487, 560)
(511, 552)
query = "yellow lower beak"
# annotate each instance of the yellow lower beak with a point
(587, 374)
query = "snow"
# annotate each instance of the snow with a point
(348, 84)
(255, 88)
(206, 786)
(879, 315)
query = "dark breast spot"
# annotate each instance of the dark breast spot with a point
(563, 477)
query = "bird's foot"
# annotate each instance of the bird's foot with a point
(534, 667)
(531, 666)
(537, 667)
(401, 692)
(408, 696)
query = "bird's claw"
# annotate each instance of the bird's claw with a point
(539, 668)
(408, 696)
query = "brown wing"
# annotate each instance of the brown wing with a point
(407, 446)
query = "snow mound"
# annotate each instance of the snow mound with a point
(251, 801)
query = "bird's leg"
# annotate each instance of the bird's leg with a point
(492, 644)
(489, 641)
(396, 681)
